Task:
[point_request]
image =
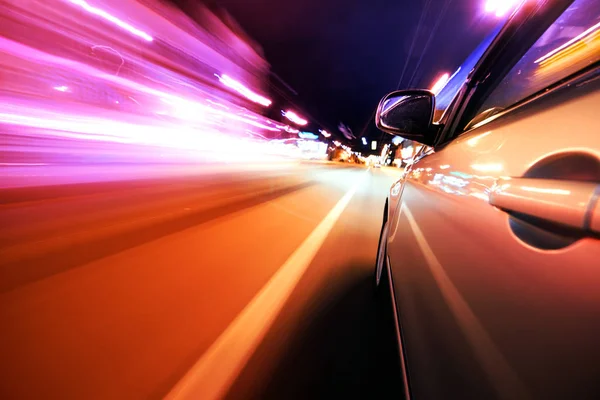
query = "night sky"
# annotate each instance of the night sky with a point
(342, 56)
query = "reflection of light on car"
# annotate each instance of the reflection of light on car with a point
(461, 174)
(454, 181)
(396, 189)
(489, 167)
(562, 192)
(574, 54)
(389, 104)
(474, 140)
(437, 178)
(479, 195)
(587, 38)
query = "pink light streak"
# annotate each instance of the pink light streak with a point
(295, 118)
(111, 18)
(134, 107)
(244, 91)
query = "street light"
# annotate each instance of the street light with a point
(325, 133)
(500, 7)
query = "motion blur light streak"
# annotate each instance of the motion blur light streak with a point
(113, 19)
(590, 31)
(77, 91)
(243, 90)
(295, 118)
(576, 53)
(440, 83)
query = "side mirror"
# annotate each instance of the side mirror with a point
(408, 113)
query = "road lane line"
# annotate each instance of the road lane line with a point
(213, 374)
(502, 376)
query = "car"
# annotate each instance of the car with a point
(490, 241)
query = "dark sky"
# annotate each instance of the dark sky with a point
(342, 56)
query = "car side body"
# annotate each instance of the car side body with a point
(491, 239)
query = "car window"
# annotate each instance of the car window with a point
(448, 92)
(571, 43)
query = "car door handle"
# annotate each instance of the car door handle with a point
(569, 203)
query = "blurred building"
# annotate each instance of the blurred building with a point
(128, 80)
(187, 48)
(245, 58)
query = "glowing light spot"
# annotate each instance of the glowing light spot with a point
(500, 7)
(295, 118)
(440, 83)
(475, 140)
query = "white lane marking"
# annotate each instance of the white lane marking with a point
(219, 366)
(502, 376)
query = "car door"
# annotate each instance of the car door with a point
(494, 249)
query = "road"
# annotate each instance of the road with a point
(253, 283)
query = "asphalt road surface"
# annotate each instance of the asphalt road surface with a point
(244, 284)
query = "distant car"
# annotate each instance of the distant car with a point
(490, 243)
(376, 165)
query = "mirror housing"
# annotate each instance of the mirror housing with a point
(409, 114)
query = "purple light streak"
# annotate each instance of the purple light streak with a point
(244, 91)
(124, 104)
(111, 18)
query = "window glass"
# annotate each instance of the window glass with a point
(458, 78)
(571, 43)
